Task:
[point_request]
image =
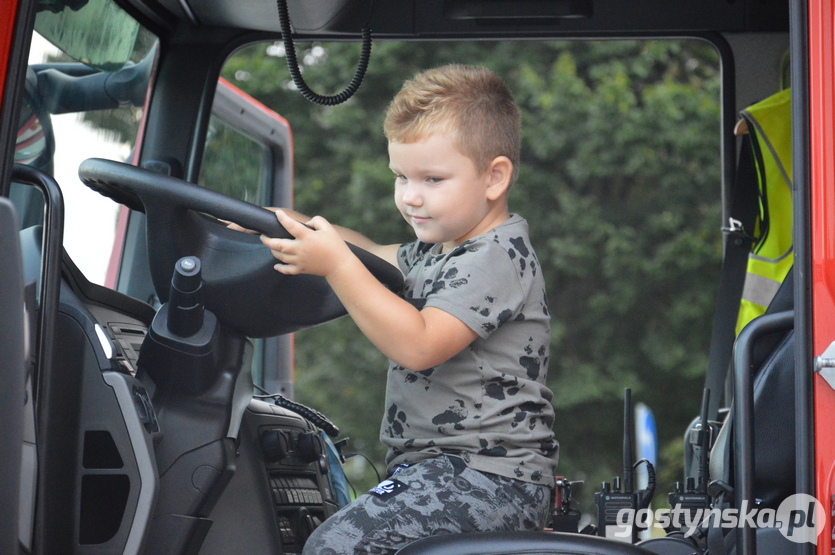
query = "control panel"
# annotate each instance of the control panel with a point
(296, 464)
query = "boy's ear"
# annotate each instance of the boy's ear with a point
(499, 173)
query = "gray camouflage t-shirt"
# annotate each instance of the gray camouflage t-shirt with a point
(489, 403)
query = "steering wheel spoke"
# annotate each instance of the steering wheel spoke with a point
(240, 285)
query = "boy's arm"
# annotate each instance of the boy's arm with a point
(414, 339)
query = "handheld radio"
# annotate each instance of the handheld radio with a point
(618, 496)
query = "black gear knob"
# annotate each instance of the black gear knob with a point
(185, 300)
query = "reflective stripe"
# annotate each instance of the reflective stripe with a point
(759, 290)
(772, 260)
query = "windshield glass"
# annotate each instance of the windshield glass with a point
(71, 112)
(95, 32)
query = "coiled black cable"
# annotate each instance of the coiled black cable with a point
(317, 418)
(296, 74)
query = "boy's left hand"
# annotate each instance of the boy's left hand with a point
(317, 248)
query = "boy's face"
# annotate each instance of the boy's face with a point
(442, 195)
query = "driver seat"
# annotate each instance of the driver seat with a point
(764, 359)
(773, 372)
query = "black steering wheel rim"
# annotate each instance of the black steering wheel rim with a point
(240, 285)
(520, 543)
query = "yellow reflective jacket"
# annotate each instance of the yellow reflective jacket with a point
(769, 123)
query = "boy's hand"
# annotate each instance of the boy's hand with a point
(412, 338)
(317, 248)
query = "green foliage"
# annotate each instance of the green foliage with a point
(620, 181)
(228, 153)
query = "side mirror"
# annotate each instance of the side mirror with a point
(35, 143)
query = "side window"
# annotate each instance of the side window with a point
(248, 155)
(248, 150)
(230, 153)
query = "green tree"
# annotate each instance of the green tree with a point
(619, 180)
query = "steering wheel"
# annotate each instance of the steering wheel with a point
(521, 543)
(240, 285)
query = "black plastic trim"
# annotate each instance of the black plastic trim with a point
(51, 266)
(90, 292)
(801, 180)
(157, 20)
(744, 416)
(49, 294)
(723, 332)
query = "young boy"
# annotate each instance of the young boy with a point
(468, 415)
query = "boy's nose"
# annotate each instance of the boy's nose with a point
(411, 196)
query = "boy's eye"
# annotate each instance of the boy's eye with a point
(434, 179)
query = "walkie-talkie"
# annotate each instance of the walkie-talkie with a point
(611, 499)
(692, 497)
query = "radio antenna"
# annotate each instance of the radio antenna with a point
(704, 443)
(628, 438)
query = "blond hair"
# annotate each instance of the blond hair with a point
(470, 104)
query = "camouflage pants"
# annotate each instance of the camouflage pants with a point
(436, 496)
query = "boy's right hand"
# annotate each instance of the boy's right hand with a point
(317, 247)
(386, 252)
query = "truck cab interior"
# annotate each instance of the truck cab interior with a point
(141, 430)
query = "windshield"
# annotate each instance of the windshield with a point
(73, 111)
(97, 33)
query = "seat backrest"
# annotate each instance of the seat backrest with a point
(772, 361)
(12, 374)
(774, 420)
